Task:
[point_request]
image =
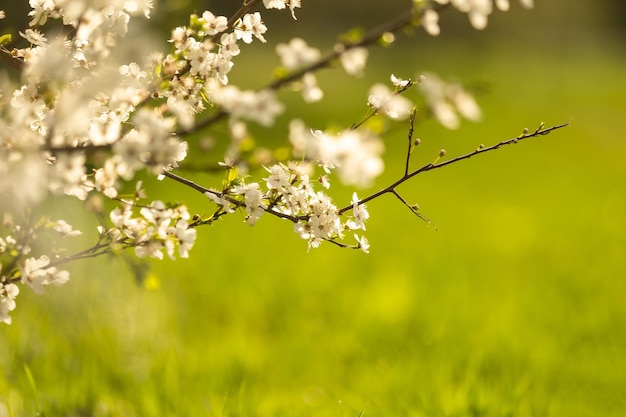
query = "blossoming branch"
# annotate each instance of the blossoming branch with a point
(78, 119)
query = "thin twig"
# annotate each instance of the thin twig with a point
(91, 252)
(410, 137)
(431, 166)
(12, 61)
(413, 209)
(203, 190)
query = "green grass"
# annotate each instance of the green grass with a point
(513, 307)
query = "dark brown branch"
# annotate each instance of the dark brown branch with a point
(203, 190)
(98, 249)
(245, 8)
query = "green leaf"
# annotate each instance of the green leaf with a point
(233, 174)
(5, 39)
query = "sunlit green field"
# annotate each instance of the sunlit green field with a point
(513, 306)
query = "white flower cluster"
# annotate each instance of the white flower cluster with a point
(74, 96)
(477, 11)
(295, 196)
(37, 273)
(156, 228)
(289, 193)
(199, 66)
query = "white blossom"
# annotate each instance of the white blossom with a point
(65, 229)
(282, 4)
(354, 60)
(356, 155)
(446, 99)
(280, 177)
(253, 200)
(430, 22)
(362, 243)
(8, 293)
(261, 107)
(478, 11)
(250, 25)
(220, 201)
(37, 274)
(297, 53)
(385, 101)
(212, 24)
(34, 37)
(359, 214)
(310, 90)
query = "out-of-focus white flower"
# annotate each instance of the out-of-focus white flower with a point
(445, 114)
(261, 107)
(310, 90)
(385, 101)
(106, 179)
(41, 10)
(66, 229)
(478, 11)
(151, 248)
(297, 53)
(464, 102)
(8, 293)
(356, 155)
(446, 99)
(430, 22)
(502, 5)
(36, 274)
(354, 60)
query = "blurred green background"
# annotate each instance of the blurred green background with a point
(513, 307)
